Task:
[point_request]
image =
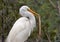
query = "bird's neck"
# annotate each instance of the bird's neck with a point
(32, 20)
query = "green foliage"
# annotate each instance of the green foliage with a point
(47, 12)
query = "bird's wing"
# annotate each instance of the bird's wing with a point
(19, 26)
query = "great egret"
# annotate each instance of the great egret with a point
(23, 27)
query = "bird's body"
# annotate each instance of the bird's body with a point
(22, 28)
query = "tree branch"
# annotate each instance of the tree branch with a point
(52, 4)
(48, 37)
(58, 6)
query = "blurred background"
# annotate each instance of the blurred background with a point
(49, 11)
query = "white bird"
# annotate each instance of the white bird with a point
(23, 27)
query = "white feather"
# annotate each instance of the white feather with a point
(22, 28)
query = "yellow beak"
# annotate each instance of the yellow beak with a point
(34, 13)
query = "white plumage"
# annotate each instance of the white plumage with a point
(22, 28)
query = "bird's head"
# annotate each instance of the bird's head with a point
(25, 9)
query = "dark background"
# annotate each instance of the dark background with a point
(49, 11)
